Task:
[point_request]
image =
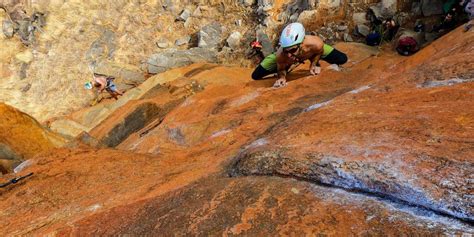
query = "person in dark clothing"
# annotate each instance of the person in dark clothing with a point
(448, 23)
(390, 29)
(256, 52)
(468, 7)
(407, 46)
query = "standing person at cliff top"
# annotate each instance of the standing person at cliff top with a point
(296, 47)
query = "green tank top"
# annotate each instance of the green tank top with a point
(327, 49)
(270, 62)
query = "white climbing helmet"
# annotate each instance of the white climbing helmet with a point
(293, 34)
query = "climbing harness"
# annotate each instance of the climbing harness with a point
(15, 180)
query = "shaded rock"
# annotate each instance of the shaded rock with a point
(234, 40)
(183, 41)
(7, 153)
(359, 18)
(431, 7)
(363, 30)
(267, 45)
(342, 28)
(293, 18)
(162, 43)
(348, 37)
(172, 58)
(210, 36)
(184, 15)
(22, 137)
(25, 31)
(103, 47)
(283, 17)
(8, 28)
(389, 7)
(197, 12)
(125, 123)
(8, 165)
(416, 8)
(87, 139)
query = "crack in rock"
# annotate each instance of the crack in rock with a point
(368, 177)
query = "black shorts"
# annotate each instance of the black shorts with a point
(260, 72)
(336, 57)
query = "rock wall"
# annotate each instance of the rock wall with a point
(22, 138)
(380, 146)
(115, 37)
(50, 48)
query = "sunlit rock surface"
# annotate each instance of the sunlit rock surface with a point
(381, 147)
(22, 138)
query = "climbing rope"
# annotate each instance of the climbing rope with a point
(15, 180)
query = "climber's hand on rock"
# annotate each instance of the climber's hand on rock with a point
(315, 70)
(280, 83)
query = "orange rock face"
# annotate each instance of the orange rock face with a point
(382, 147)
(22, 137)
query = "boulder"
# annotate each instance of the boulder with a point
(359, 18)
(173, 58)
(431, 7)
(184, 15)
(210, 36)
(283, 17)
(197, 12)
(248, 3)
(267, 46)
(234, 40)
(306, 16)
(333, 4)
(348, 37)
(416, 8)
(162, 44)
(8, 28)
(377, 10)
(389, 7)
(183, 41)
(293, 17)
(362, 30)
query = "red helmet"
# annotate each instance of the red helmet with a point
(256, 44)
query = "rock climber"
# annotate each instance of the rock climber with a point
(255, 52)
(296, 47)
(447, 24)
(103, 82)
(409, 42)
